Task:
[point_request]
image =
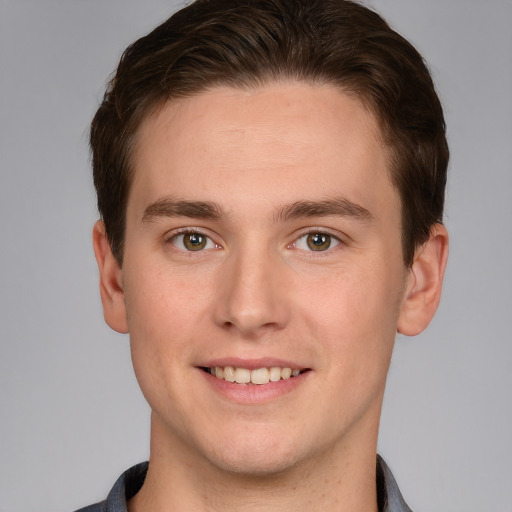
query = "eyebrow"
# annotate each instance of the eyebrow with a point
(172, 207)
(341, 207)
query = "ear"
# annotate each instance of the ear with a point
(111, 281)
(424, 283)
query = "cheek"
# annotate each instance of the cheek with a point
(163, 316)
(355, 311)
(163, 301)
(366, 293)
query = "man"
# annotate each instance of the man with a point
(270, 178)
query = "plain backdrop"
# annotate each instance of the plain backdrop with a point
(72, 416)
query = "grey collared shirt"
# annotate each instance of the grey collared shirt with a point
(129, 483)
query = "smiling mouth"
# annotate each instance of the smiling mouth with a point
(259, 376)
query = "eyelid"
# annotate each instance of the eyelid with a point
(312, 231)
(171, 236)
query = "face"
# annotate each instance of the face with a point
(262, 238)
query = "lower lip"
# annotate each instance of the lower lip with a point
(254, 393)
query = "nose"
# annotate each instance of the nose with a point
(253, 295)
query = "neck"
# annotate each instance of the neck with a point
(340, 480)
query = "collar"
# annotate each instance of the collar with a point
(129, 483)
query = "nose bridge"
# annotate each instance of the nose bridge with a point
(252, 299)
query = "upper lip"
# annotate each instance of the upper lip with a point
(252, 364)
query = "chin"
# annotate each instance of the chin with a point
(257, 465)
(255, 457)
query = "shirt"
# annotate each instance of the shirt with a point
(129, 483)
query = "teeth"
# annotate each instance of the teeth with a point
(258, 376)
(242, 376)
(229, 373)
(286, 373)
(275, 374)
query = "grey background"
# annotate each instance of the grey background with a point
(72, 417)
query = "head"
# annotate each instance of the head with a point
(270, 176)
(253, 43)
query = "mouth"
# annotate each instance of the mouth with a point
(258, 376)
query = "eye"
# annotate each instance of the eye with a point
(316, 241)
(193, 241)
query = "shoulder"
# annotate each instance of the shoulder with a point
(126, 486)
(98, 507)
(389, 496)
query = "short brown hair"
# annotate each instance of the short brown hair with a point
(248, 43)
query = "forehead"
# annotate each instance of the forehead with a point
(276, 141)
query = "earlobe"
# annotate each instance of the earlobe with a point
(424, 285)
(111, 283)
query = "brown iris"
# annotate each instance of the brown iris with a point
(318, 241)
(194, 241)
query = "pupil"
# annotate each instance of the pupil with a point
(319, 241)
(194, 241)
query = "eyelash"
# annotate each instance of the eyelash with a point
(334, 241)
(173, 240)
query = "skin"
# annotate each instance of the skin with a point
(258, 292)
